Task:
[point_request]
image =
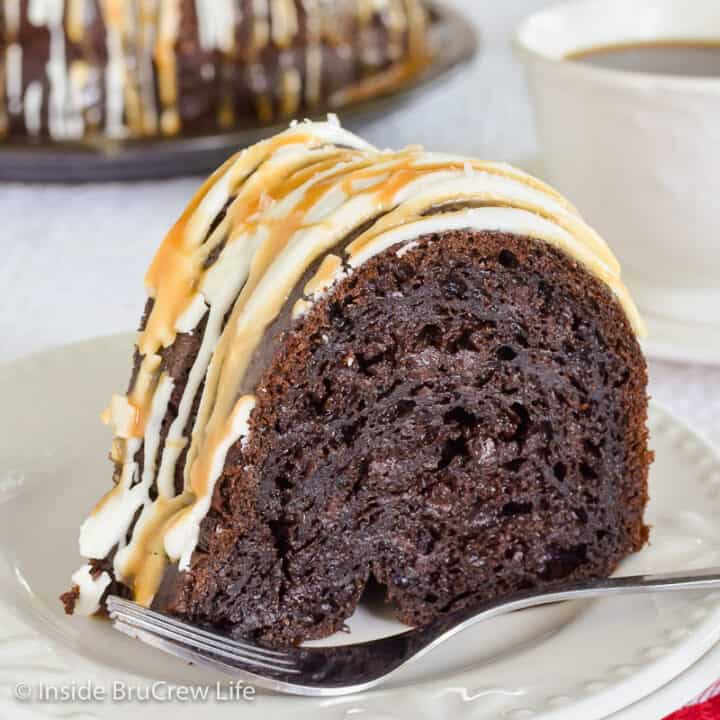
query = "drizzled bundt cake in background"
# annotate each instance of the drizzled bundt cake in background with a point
(135, 68)
(402, 366)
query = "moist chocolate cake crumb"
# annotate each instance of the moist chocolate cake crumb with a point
(69, 599)
(455, 424)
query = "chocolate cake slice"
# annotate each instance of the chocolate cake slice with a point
(405, 367)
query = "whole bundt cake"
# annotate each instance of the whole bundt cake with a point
(409, 367)
(73, 69)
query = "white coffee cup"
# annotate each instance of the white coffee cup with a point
(637, 153)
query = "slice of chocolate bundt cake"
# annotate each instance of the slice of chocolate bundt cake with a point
(404, 366)
(72, 69)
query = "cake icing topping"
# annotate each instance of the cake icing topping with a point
(315, 199)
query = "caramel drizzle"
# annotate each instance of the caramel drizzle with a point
(166, 65)
(328, 272)
(296, 197)
(145, 43)
(75, 20)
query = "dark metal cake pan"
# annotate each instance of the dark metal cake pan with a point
(453, 44)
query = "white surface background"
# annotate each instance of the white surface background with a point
(72, 258)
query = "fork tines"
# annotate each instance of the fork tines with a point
(136, 620)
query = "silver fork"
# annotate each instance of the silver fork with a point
(345, 669)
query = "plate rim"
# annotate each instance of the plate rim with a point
(679, 692)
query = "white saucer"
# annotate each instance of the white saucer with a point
(554, 663)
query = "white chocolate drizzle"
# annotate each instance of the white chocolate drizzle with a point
(90, 589)
(216, 22)
(11, 81)
(312, 197)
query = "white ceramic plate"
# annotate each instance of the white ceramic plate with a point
(559, 662)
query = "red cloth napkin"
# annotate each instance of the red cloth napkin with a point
(706, 707)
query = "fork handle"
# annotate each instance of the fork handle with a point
(449, 625)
